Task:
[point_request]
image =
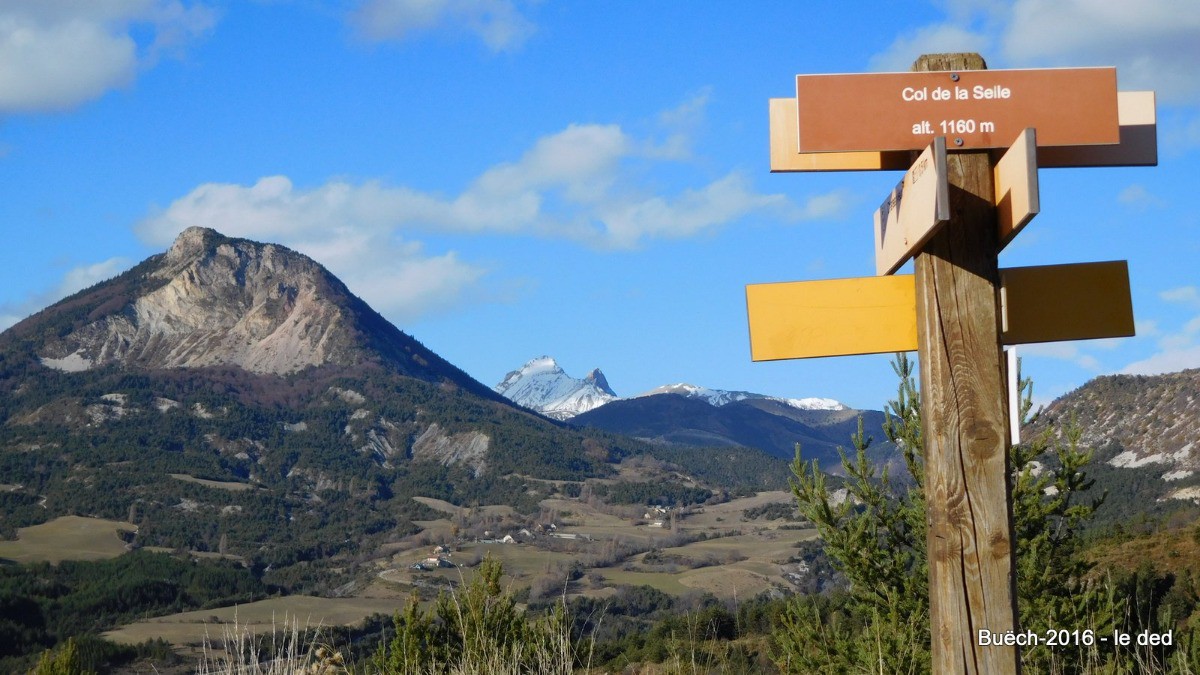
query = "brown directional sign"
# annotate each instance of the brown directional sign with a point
(1139, 139)
(877, 315)
(1016, 187)
(1138, 145)
(972, 108)
(915, 209)
(1065, 302)
(784, 156)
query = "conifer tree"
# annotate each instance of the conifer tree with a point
(875, 535)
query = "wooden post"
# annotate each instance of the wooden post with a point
(972, 581)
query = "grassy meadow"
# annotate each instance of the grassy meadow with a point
(67, 538)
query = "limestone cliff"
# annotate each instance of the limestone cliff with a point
(212, 300)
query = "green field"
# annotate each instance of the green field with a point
(67, 538)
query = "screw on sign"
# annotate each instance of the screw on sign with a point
(959, 308)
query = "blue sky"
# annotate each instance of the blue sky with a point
(507, 179)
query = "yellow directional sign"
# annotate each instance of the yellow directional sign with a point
(835, 317)
(916, 208)
(1016, 187)
(878, 315)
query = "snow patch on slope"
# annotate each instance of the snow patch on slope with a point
(542, 385)
(720, 397)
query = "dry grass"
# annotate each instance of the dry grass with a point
(191, 628)
(447, 507)
(218, 484)
(67, 538)
(285, 651)
(1169, 550)
(762, 545)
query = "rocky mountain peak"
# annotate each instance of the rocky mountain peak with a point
(191, 243)
(597, 378)
(213, 300)
(542, 385)
(218, 301)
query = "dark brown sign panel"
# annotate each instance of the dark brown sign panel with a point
(972, 109)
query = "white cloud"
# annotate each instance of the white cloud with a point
(899, 57)
(1138, 197)
(499, 23)
(1168, 361)
(586, 183)
(80, 278)
(690, 213)
(1063, 351)
(1184, 338)
(74, 280)
(1178, 350)
(1188, 295)
(1154, 44)
(574, 184)
(396, 278)
(55, 54)
(682, 123)
(830, 205)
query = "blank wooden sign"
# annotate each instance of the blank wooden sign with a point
(1051, 303)
(1016, 181)
(878, 315)
(832, 317)
(914, 211)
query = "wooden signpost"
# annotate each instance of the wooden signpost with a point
(974, 187)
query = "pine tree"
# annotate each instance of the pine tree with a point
(65, 661)
(876, 537)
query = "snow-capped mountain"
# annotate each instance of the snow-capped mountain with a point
(685, 414)
(543, 386)
(720, 397)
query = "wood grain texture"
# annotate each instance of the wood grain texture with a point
(971, 561)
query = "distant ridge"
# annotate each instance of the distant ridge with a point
(720, 397)
(228, 362)
(542, 385)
